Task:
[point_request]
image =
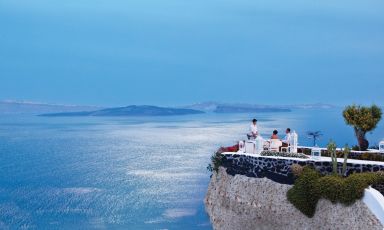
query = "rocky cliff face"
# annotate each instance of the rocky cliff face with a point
(240, 202)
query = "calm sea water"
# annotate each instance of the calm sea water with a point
(127, 173)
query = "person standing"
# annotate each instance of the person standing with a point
(253, 131)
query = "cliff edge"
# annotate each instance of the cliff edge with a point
(241, 202)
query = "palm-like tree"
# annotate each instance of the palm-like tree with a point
(363, 119)
(315, 135)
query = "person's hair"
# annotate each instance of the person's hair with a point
(288, 129)
(275, 132)
(254, 120)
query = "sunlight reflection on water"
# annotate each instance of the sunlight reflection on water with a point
(118, 173)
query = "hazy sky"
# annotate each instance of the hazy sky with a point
(171, 52)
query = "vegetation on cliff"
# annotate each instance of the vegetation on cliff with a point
(310, 186)
(217, 157)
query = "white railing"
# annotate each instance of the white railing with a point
(375, 202)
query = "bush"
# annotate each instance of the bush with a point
(311, 186)
(306, 151)
(355, 185)
(304, 194)
(331, 187)
(217, 157)
(283, 154)
(355, 148)
(380, 173)
(369, 156)
(297, 169)
(216, 162)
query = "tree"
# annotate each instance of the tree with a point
(363, 119)
(314, 135)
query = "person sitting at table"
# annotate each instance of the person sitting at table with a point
(253, 130)
(274, 134)
(287, 138)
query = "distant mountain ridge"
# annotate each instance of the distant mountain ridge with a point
(216, 107)
(312, 106)
(132, 110)
(34, 108)
(248, 109)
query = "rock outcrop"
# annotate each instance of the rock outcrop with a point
(241, 202)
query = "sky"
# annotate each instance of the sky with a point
(174, 52)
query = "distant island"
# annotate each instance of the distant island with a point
(216, 107)
(11, 107)
(248, 109)
(132, 110)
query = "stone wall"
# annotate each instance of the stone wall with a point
(379, 187)
(279, 169)
(241, 202)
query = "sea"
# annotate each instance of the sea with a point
(130, 172)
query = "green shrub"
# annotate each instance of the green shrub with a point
(331, 187)
(311, 186)
(355, 185)
(369, 156)
(304, 194)
(307, 151)
(356, 148)
(283, 154)
(297, 169)
(381, 175)
(216, 162)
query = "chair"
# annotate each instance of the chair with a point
(259, 144)
(292, 144)
(250, 147)
(286, 149)
(275, 145)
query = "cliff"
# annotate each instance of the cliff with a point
(242, 202)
